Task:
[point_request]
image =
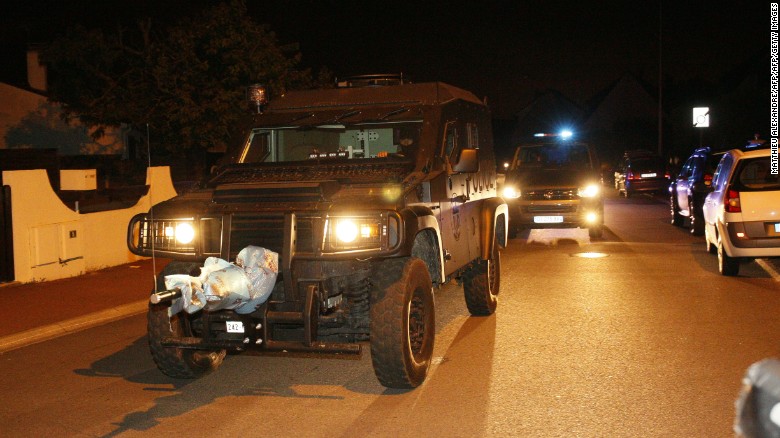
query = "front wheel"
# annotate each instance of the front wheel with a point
(708, 243)
(596, 231)
(677, 219)
(403, 323)
(179, 363)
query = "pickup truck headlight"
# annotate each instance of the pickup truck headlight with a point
(510, 193)
(589, 191)
(347, 233)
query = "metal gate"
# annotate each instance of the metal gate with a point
(6, 237)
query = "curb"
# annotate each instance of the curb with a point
(40, 334)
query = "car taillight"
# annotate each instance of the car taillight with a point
(732, 202)
(667, 175)
(629, 175)
(708, 180)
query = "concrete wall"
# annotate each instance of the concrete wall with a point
(51, 241)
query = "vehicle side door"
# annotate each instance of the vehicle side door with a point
(453, 209)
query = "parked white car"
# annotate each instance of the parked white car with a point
(742, 213)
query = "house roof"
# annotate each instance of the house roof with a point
(625, 99)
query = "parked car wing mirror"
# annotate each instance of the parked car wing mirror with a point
(468, 162)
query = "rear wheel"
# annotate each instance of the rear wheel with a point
(513, 231)
(180, 363)
(481, 284)
(403, 323)
(728, 266)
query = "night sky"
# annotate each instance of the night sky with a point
(503, 50)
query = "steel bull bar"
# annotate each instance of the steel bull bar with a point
(256, 335)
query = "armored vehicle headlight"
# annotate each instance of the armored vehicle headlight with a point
(184, 233)
(180, 232)
(346, 230)
(589, 191)
(190, 236)
(511, 192)
(348, 233)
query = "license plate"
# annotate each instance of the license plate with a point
(235, 327)
(548, 219)
(649, 175)
(777, 228)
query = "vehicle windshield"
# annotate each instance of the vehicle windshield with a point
(755, 174)
(336, 141)
(553, 156)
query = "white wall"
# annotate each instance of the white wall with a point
(51, 241)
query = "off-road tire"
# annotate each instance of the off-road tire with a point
(677, 219)
(403, 322)
(728, 266)
(481, 284)
(179, 363)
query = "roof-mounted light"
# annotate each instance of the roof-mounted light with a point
(565, 134)
(256, 97)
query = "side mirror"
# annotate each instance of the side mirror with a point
(468, 162)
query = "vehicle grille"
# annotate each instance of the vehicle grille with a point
(550, 195)
(566, 208)
(256, 194)
(267, 231)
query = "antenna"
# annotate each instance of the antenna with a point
(151, 206)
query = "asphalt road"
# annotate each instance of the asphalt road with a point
(641, 338)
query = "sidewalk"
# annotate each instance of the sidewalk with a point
(34, 312)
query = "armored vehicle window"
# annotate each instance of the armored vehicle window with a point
(363, 140)
(450, 139)
(473, 132)
(259, 148)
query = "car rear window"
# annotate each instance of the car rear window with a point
(648, 164)
(753, 174)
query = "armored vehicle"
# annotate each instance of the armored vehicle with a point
(371, 194)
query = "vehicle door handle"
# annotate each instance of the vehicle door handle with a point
(460, 198)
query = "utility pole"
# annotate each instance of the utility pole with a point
(660, 81)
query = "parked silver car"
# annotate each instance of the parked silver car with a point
(742, 213)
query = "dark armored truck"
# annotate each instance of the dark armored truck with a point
(371, 194)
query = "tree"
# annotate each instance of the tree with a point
(186, 80)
